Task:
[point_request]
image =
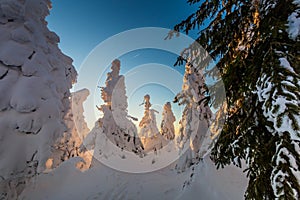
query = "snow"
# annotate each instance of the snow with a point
(13, 53)
(148, 123)
(35, 99)
(78, 98)
(268, 5)
(264, 87)
(278, 176)
(288, 83)
(294, 22)
(295, 171)
(21, 35)
(7, 81)
(265, 92)
(167, 124)
(69, 145)
(285, 63)
(11, 9)
(194, 138)
(276, 110)
(101, 182)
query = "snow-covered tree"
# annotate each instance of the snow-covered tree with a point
(114, 125)
(149, 133)
(167, 124)
(68, 146)
(256, 46)
(35, 78)
(77, 99)
(148, 123)
(195, 119)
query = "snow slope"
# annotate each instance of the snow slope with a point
(101, 182)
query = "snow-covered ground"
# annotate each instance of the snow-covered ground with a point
(102, 182)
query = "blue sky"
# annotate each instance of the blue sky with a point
(82, 25)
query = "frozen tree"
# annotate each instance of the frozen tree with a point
(77, 99)
(148, 123)
(35, 78)
(112, 79)
(69, 145)
(167, 124)
(149, 133)
(114, 125)
(195, 119)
